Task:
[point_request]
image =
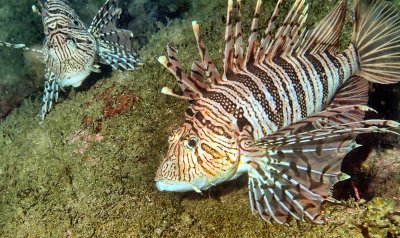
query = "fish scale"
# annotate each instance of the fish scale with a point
(71, 51)
(285, 111)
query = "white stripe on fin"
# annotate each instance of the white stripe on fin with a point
(299, 169)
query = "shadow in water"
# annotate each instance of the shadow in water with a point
(105, 72)
(217, 191)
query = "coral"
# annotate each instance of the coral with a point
(88, 169)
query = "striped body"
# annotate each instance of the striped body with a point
(286, 113)
(270, 96)
(69, 49)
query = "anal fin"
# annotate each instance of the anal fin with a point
(353, 92)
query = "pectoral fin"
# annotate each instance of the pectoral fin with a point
(50, 93)
(299, 169)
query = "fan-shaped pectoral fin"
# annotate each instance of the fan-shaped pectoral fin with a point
(298, 169)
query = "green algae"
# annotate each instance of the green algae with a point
(66, 177)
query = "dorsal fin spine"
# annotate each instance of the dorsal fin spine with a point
(291, 26)
(228, 53)
(253, 36)
(186, 83)
(265, 42)
(325, 36)
(238, 39)
(207, 65)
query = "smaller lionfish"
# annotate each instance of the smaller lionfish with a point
(286, 111)
(71, 50)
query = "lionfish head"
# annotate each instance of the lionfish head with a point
(201, 153)
(69, 50)
(204, 151)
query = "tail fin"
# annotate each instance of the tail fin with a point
(376, 35)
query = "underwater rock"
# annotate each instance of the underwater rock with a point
(383, 170)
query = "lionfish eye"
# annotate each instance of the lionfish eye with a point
(71, 41)
(191, 143)
(52, 26)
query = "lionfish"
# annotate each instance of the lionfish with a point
(285, 111)
(71, 50)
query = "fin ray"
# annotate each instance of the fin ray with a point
(50, 93)
(288, 32)
(325, 36)
(376, 37)
(115, 45)
(208, 66)
(300, 169)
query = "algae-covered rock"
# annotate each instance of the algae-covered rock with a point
(88, 169)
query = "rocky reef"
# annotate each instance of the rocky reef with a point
(88, 169)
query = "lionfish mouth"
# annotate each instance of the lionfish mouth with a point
(166, 185)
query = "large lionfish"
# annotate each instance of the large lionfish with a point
(71, 50)
(286, 112)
